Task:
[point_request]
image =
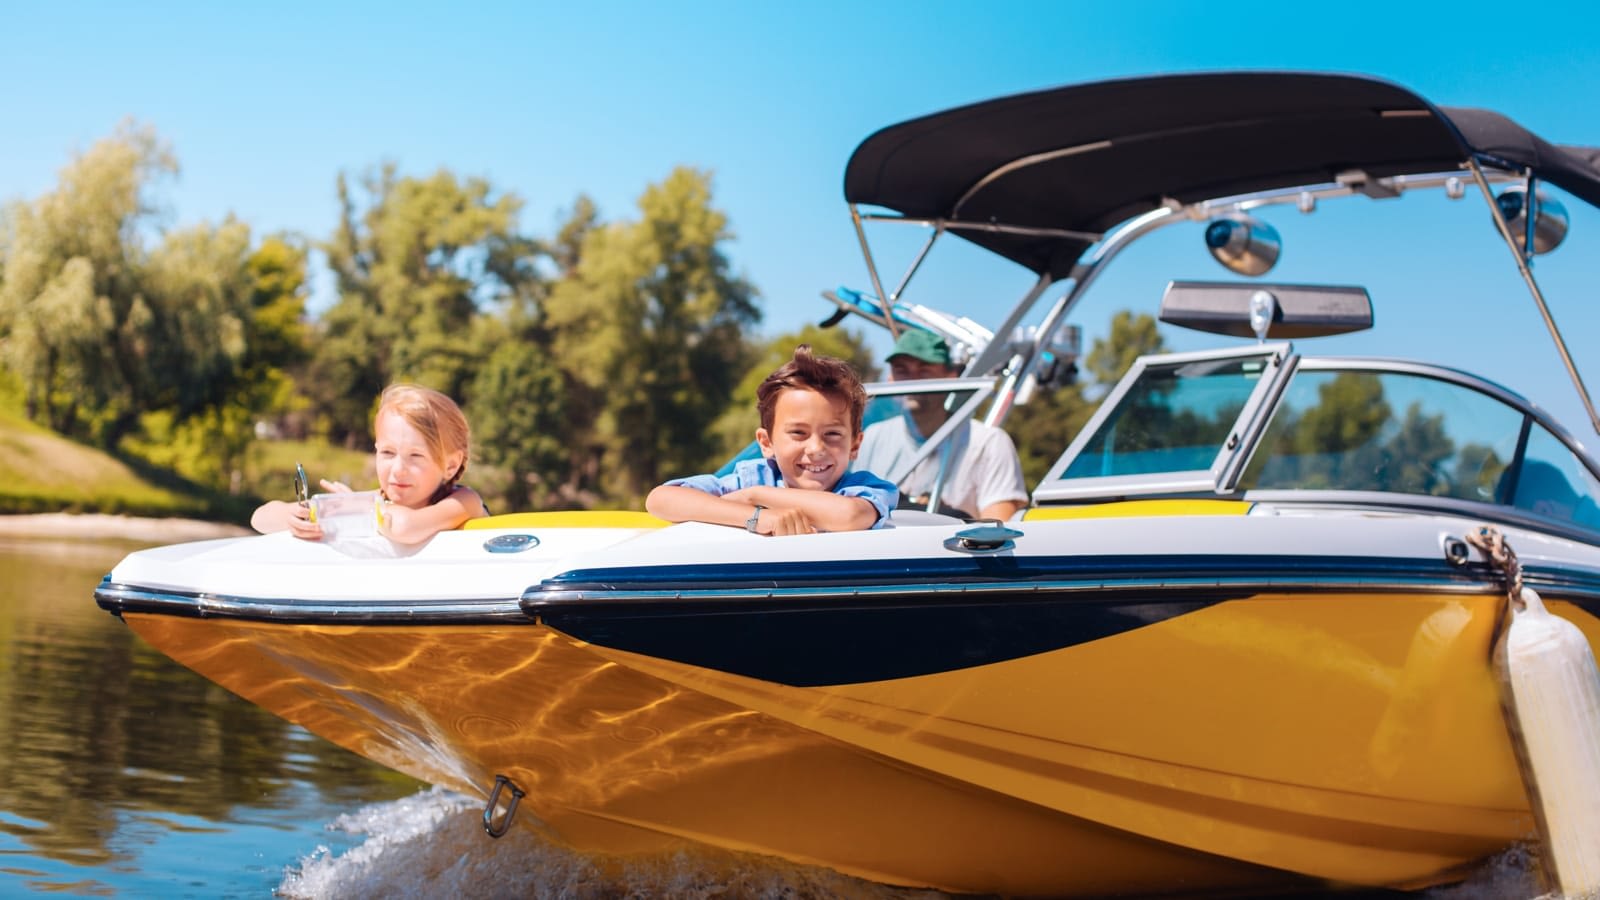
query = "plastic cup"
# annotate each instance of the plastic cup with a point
(346, 515)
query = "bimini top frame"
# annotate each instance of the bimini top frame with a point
(1060, 180)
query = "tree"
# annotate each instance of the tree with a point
(235, 328)
(1047, 423)
(567, 248)
(519, 410)
(1130, 337)
(653, 317)
(416, 260)
(75, 323)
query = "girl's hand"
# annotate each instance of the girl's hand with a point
(300, 524)
(334, 487)
(394, 519)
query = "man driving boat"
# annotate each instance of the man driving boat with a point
(982, 474)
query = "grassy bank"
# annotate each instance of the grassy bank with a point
(42, 472)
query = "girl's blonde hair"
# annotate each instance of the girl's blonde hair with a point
(437, 418)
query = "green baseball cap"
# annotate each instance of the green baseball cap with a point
(923, 345)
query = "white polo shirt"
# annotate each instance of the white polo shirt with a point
(983, 463)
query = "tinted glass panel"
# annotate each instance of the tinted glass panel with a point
(1554, 483)
(1385, 431)
(1175, 418)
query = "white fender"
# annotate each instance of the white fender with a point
(1552, 704)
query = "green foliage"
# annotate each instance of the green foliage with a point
(415, 260)
(197, 288)
(187, 342)
(268, 468)
(1130, 337)
(567, 248)
(11, 392)
(40, 471)
(1351, 439)
(79, 327)
(1044, 426)
(226, 384)
(517, 410)
(652, 317)
(592, 365)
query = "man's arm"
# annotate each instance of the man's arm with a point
(1001, 509)
(997, 470)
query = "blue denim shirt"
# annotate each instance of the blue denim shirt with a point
(764, 473)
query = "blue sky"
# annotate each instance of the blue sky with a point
(264, 105)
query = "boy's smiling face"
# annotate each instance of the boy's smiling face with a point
(811, 439)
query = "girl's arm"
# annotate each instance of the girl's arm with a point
(405, 525)
(282, 515)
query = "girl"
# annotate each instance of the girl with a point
(420, 454)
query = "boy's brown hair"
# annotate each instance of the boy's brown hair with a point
(827, 375)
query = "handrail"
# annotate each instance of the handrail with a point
(1523, 259)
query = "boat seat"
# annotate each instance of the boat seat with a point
(903, 518)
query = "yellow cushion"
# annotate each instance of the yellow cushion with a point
(572, 518)
(1134, 508)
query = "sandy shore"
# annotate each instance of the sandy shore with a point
(95, 526)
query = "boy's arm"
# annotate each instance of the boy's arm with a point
(825, 510)
(677, 503)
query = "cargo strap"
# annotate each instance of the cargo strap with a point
(1500, 555)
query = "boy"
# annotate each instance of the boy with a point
(811, 410)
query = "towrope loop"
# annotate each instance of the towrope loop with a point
(1500, 555)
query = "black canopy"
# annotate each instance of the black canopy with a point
(1087, 157)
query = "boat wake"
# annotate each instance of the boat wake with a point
(432, 845)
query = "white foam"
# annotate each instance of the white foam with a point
(432, 844)
(1512, 874)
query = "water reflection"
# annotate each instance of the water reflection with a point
(109, 749)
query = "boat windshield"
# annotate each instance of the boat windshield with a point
(1172, 425)
(1272, 426)
(1175, 418)
(1355, 430)
(1554, 483)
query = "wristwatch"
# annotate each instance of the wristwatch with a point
(755, 519)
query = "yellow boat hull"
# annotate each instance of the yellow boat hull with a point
(1268, 742)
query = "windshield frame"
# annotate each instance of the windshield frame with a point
(1278, 361)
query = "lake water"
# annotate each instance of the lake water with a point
(122, 773)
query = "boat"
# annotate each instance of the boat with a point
(1240, 641)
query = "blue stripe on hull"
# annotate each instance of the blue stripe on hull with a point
(811, 624)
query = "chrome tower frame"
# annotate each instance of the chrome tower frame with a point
(1018, 369)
